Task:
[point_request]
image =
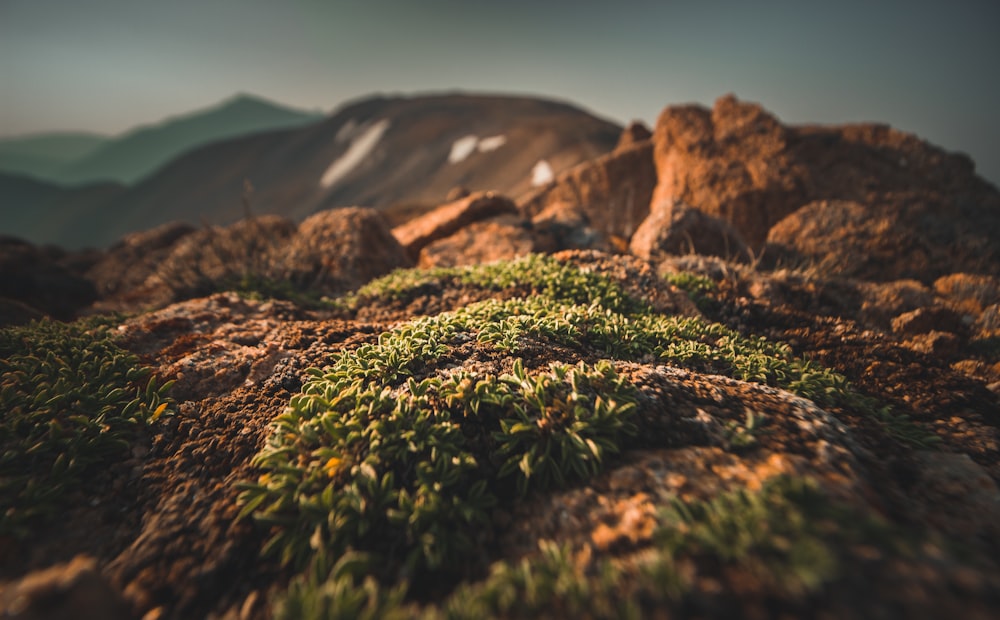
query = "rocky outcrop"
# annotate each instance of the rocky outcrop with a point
(854, 183)
(448, 219)
(675, 228)
(565, 226)
(613, 191)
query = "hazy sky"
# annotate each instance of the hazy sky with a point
(107, 65)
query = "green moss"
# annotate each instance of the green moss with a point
(698, 288)
(71, 400)
(789, 537)
(393, 453)
(534, 274)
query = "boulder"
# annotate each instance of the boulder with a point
(128, 263)
(731, 162)
(613, 191)
(447, 219)
(207, 260)
(675, 228)
(340, 249)
(565, 226)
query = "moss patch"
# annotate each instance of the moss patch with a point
(396, 456)
(71, 400)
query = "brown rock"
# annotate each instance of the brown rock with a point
(924, 320)
(971, 293)
(612, 190)
(675, 228)
(128, 263)
(340, 249)
(882, 301)
(937, 344)
(65, 591)
(565, 226)
(731, 162)
(447, 219)
(205, 260)
(908, 209)
(480, 242)
(635, 133)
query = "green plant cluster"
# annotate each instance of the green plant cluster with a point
(393, 454)
(406, 470)
(534, 274)
(70, 399)
(697, 287)
(791, 538)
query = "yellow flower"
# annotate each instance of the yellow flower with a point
(332, 466)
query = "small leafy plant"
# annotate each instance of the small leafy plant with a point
(71, 400)
(395, 455)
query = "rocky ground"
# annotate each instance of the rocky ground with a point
(750, 371)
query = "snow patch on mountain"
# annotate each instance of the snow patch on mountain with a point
(466, 145)
(541, 173)
(462, 148)
(361, 146)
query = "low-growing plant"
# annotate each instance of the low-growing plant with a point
(789, 535)
(71, 400)
(394, 453)
(536, 274)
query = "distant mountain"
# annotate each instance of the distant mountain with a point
(43, 155)
(41, 212)
(139, 152)
(378, 152)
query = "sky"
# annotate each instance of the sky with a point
(108, 65)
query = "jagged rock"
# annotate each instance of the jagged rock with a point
(37, 277)
(675, 228)
(730, 162)
(447, 219)
(633, 134)
(613, 190)
(854, 182)
(341, 249)
(490, 240)
(63, 592)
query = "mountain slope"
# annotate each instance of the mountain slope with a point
(375, 152)
(40, 211)
(141, 151)
(43, 155)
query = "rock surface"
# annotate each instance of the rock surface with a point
(448, 219)
(738, 162)
(675, 228)
(613, 190)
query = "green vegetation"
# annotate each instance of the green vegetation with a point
(394, 458)
(532, 275)
(71, 400)
(789, 538)
(697, 287)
